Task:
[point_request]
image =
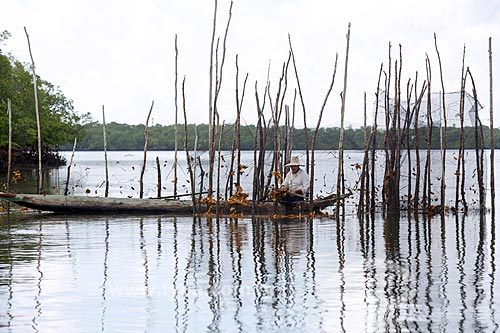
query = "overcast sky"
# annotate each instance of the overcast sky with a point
(120, 53)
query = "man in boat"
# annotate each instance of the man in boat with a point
(296, 183)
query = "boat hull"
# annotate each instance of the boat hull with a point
(87, 204)
(96, 205)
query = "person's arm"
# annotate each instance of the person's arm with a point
(286, 182)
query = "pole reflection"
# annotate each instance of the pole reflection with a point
(10, 276)
(105, 274)
(37, 298)
(443, 276)
(492, 274)
(236, 235)
(479, 272)
(342, 261)
(461, 257)
(214, 274)
(392, 273)
(260, 271)
(191, 271)
(368, 251)
(408, 273)
(176, 275)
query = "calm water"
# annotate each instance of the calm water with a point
(156, 273)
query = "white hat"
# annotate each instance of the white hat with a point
(294, 161)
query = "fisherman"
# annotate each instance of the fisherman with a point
(296, 183)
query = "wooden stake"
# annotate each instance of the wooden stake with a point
(176, 121)
(363, 189)
(340, 173)
(460, 172)
(9, 154)
(427, 173)
(374, 142)
(492, 134)
(186, 149)
(306, 135)
(418, 102)
(479, 143)
(69, 169)
(106, 190)
(210, 102)
(444, 138)
(158, 168)
(213, 113)
(221, 135)
(35, 87)
(141, 185)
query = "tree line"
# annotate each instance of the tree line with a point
(162, 137)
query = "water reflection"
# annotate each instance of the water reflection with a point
(108, 273)
(105, 274)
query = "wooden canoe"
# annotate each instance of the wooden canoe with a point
(90, 204)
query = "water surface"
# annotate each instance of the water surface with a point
(157, 273)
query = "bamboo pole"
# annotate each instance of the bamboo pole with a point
(158, 178)
(492, 134)
(232, 172)
(461, 151)
(141, 183)
(284, 151)
(363, 188)
(256, 142)
(275, 117)
(186, 149)
(444, 138)
(69, 168)
(236, 144)
(406, 134)
(105, 140)
(210, 99)
(35, 87)
(396, 160)
(427, 173)
(195, 159)
(418, 103)
(306, 135)
(255, 191)
(387, 170)
(218, 83)
(478, 141)
(238, 126)
(416, 195)
(340, 173)
(276, 113)
(176, 120)
(221, 135)
(259, 148)
(202, 178)
(9, 153)
(289, 148)
(374, 142)
(385, 146)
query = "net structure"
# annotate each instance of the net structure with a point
(417, 178)
(434, 104)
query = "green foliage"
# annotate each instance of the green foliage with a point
(59, 123)
(131, 137)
